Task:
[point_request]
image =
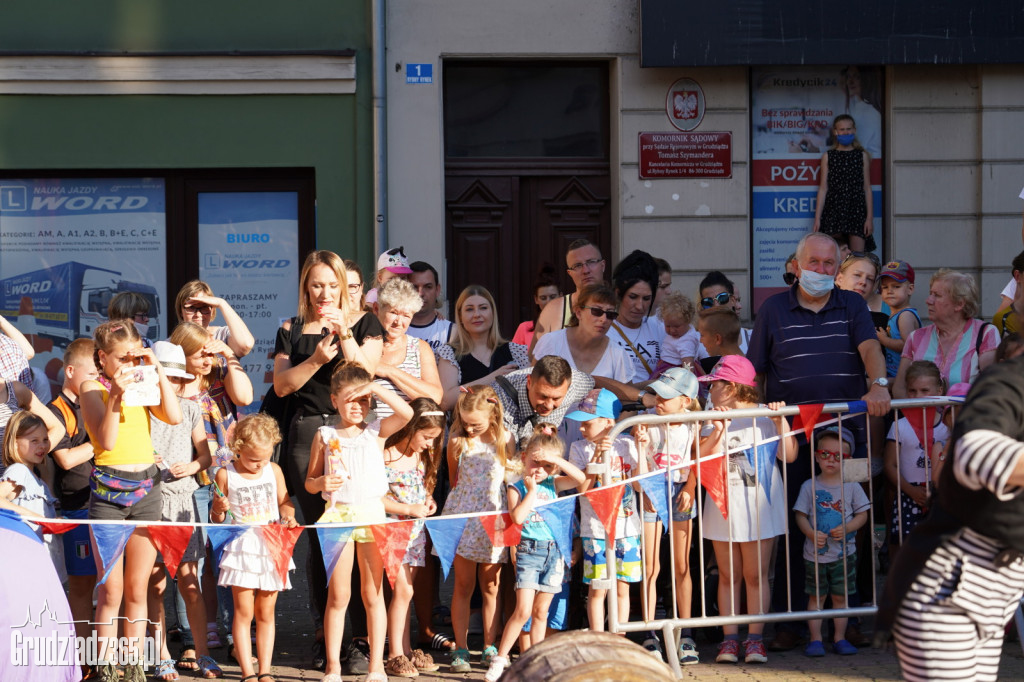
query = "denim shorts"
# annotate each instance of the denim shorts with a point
(539, 566)
(677, 516)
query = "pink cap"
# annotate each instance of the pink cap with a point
(732, 368)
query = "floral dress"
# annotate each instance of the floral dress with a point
(407, 487)
(480, 488)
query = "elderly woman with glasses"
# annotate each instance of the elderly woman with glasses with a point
(196, 303)
(584, 343)
(718, 290)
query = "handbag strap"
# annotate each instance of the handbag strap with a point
(632, 347)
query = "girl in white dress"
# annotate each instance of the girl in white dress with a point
(346, 466)
(251, 490)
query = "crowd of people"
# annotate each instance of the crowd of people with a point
(382, 408)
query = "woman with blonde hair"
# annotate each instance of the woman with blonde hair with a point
(478, 353)
(196, 303)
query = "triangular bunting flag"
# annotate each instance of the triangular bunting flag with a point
(393, 544)
(219, 536)
(922, 420)
(501, 530)
(56, 527)
(558, 516)
(656, 490)
(445, 534)
(280, 540)
(807, 418)
(332, 544)
(110, 543)
(606, 503)
(13, 521)
(764, 464)
(171, 541)
(711, 475)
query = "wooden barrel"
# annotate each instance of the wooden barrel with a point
(584, 656)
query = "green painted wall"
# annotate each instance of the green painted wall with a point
(331, 133)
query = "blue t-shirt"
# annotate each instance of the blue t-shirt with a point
(535, 528)
(892, 357)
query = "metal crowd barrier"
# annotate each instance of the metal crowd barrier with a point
(857, 469)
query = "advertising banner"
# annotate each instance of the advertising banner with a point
(792, 111)
(67, 246)
(248, 254)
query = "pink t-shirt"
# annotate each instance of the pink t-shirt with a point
(962, 364)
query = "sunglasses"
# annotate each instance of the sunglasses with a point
(865, 254)
(717, 299)
(201, 309)
(601, 312)
(831, 455)
(789, 278)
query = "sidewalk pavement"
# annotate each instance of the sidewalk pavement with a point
(295, 638)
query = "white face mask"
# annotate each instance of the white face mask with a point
(143, 329)
(816, 284)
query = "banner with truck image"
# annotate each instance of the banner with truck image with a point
(67, 246)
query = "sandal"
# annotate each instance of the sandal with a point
(187, 662)
(375, 677)
(442, 615)
(440, 642)
(331, 677)
(165, 671)
(424, 662)
(208, 668)
(400, 666)
(261, 676)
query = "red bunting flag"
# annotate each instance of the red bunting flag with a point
(55, 527)
(808, 418)
(922, 421)
(606, 503)
(393, 543)
(501, 530)
(280, 540)
(712, 476)
(171, 541)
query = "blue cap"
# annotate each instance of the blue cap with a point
(841, 433)
(674, 382)
(600, 403)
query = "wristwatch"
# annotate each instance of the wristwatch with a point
(881, 381)
(640, 395)
(346, 335)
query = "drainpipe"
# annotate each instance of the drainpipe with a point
(380, 146)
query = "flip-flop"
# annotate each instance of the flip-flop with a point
(439, 642)
(187, 662)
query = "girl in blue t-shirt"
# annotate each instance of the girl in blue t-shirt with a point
(539, 564)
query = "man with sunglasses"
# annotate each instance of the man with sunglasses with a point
(813, 344)
(585, 266)
(718, 290)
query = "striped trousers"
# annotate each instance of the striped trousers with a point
(950, 625)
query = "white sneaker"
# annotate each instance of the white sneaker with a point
(496, 669)
(653, 647)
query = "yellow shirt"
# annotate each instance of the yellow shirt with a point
(133, 442)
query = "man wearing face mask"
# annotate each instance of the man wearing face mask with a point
(814, 344)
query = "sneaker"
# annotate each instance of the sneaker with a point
(653, 646)
(753, 651)
(496, 669)
(844, 648)
(728, 651)
(688, 654)
(460, 662)
(357, 658)
(489, 652)
(815, 649)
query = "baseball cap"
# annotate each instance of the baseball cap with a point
(600, 403)
(842, 433)
(674, 382)
(394, 260)
(732, 368)
(899, 270)
(172, 357)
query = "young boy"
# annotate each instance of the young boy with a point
(829, 515)
(539, 564)
(74, 457)
(896, 284)
(719, 330)
(597, 414)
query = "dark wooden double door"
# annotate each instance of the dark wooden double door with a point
(502, 225)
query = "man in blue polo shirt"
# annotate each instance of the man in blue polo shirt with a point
(814, 344)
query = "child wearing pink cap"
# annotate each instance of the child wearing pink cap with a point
(743, 544)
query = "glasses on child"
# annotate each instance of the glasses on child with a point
(601, 312)
(201, 309)
(585, 265)
(141, 317)
(717, 299)
(833, 455)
